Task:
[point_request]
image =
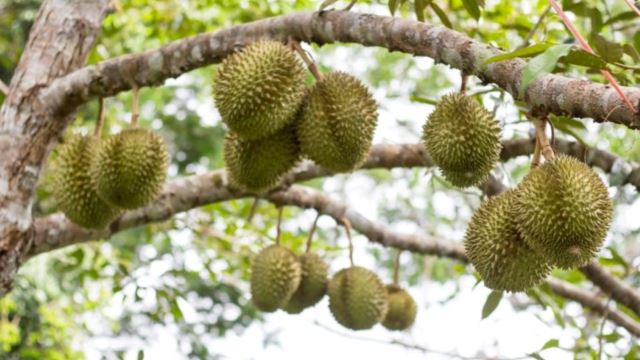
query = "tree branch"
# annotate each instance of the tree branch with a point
(551, 93)
(183, 194)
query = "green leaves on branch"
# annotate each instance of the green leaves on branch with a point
(492, 302)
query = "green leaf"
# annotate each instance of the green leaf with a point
(423, 100)
(550, 344)
(491, 304)
(569, 126)
(542, 65)
(536, 356)
(521, 53)
(441, 15)
(631, 51)
(326, 3)
(617, 258)
(584, 58)
(393, 6)
(140, 355)
(420, 5)
(473, 8)
(610, 51)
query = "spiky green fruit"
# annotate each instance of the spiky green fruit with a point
(313, 285)
(258, 165)
(74, 187)
(357, 298)
(131, 168)
(497, 251)
(463, 139)
(337, 122)
(259, 90)
(275, 276)
(563, 210)
(402, 309)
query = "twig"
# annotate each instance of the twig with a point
(4, 88)
(347, 227)
(279, 224)
(633, 6)
(135, 112)
(313, 68)
(252, 211)
(100, 120)
(537, 154)
(604, 320)
(540, 124)
(535, 28)
(588, 48)
(396, 268)
(311, 232)
(405, 345)
(463, 83)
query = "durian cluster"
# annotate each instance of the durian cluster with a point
(558, 215)
(96, 179)
(358, 299)
(275, 120)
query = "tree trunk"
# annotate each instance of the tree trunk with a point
(60, 41)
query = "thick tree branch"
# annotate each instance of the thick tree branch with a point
(551, 93)
(55, 231)
(60, 40)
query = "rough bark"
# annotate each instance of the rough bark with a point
(60, 40)
(552, 93)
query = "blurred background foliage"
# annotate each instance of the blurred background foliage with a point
(188, 276)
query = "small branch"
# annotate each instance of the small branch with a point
(633, 6)
(537, 154)
(135, 111)
(540, 124)
(311, 232)
(347, 227)
(588, 48)
(4, 88)
(311, 65)
(535, 28)
(252, 211)
(279, 224)
(100, 120)
(463, 83)
(396, 268)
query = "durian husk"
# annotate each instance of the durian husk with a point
(402, 309)
(275, 275)
(357, 298)
(337, 122)
(497, 251)
(259, 90)
(563, 210)
(131, 168)
(313, 285)
(463, 139)
(258, 165)
(74, 185)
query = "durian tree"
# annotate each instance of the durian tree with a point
(231, 159)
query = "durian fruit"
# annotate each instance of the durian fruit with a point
(131, 168)
(259, 90)
(463, 139)
(497, 251)
(563, 210)
(257, 165)
(275, 276)
(73, 184)
(313, 285)
(357, 298)
(337, 122)
(402, 309)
